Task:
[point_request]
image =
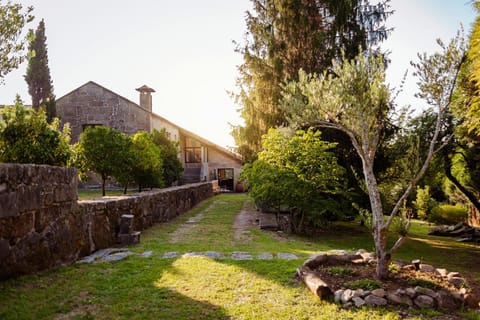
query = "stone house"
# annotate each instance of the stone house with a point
(92, 104)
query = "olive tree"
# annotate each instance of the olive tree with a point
(355, 99)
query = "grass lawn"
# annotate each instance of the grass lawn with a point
(203, 288)
(89, 194)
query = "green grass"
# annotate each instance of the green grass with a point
(203, 288)
(89, 194)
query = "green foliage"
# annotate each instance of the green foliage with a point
(13, 21)
(38, 73)
(423, 283)
(448, 214)
(288, 35)
(172, 166)
(365, 284)
(104, 151)
(340, 271)
(424, 202)
(27, 137)
(147, 167)
(297, 172)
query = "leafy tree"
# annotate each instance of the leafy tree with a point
(27, 137)
(172, 166)
(38, 73)
(287, 35)
(104, 151)
(357, 102)
(297, 172)
(13, 20)
(147, 169)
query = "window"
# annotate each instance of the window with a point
(193, 155)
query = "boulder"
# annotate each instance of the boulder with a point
(359, 302)
(423, 301)
(447, 301)
(395, 298)
(347, 295)
(373, 300)
(379, 293)
(457, 282)
(425, 291)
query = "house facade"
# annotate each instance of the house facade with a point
(92, 104)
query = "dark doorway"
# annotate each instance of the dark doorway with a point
(225, 179)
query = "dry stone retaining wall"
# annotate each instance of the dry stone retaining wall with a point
(42, 224)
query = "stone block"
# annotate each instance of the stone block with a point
(8, 205)
(373, 300)
(423, 301)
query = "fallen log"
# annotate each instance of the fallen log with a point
(325, 259)
(313, 281)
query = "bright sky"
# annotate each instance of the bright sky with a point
(184, 50)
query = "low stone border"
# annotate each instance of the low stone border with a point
(409, 297)
(117, 254)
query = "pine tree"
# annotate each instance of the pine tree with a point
(285, 36)
(38, 77)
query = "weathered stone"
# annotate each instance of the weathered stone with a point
(453, 275)
(399, 299)
(347, 295)
(442, 272)
(472, 300)
(287, 256)
(130, 238)
(4, 250)
(213, 255)
(422, 301)
(410, 292)
(8, 205)
(170, 255)
(116, 256)
(337, 295)
(359, 293)
(427, 268)
(147, 254)
(373, 300)
(359, 302)
(425, 291)
(409, 267)
(379, 292)
(447, 301)
(457, 281)
(242, 256)
(265, 256)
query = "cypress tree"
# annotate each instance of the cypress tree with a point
(285, 36)
(38, 77)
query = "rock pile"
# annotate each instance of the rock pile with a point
(452, 297)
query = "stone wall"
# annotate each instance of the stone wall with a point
(42, 224)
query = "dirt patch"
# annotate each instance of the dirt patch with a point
(82, 308)
(246, 219)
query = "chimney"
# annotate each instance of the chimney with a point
(145, 97)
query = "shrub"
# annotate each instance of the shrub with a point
(340, 271)
(448, 214)
(365, 284)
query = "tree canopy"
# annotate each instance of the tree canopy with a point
(285, 36)
(14, 18)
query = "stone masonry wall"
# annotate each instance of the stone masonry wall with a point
(42, 224)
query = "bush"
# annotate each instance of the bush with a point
(448, 214)
(27, 137)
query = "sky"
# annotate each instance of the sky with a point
(185, 51)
